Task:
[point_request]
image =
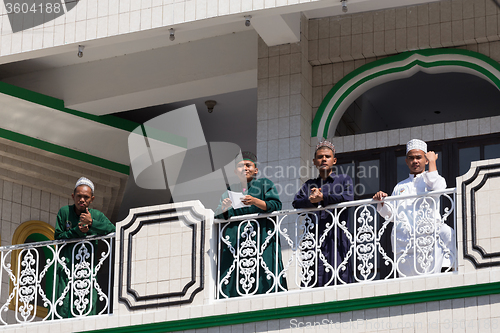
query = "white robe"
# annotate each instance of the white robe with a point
(434, 239)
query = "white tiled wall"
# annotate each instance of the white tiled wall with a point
(486, 211)
(447, 23)
(91, 19)
(433, 132)
(284, 114)
(473, 314)
(23, 203)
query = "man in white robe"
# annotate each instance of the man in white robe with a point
(424, 243)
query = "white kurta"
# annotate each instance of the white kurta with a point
(423, 242)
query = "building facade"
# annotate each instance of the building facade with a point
(305, 70)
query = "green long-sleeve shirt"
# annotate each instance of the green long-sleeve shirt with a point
(67, 228)
(265, 190)
(67, 224)
(261, 188)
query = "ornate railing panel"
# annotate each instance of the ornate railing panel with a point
(351, 242)
(56, 279)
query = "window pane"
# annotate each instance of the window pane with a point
(491, 151)
(402, 168)
(439, 162)
(344, 169)
(466, 156)
(368, 177)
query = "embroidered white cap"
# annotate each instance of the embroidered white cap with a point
(85, 181)
(325, 144)
(416, 144)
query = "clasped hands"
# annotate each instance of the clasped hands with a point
(316, 195)
(85, 221)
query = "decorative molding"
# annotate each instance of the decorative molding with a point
(31, 227)
(140, 221)
(396, 67)
(314, 309)
(473, 251)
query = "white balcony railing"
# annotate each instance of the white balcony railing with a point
(344, 243)
(256, 254)
(41, 280)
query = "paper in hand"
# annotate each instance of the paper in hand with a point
(236, 199)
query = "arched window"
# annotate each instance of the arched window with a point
(31, 232)
(455, 63)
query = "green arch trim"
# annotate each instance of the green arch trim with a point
(400, 63)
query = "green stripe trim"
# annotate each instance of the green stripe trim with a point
(74, 154)
(314, 309)
(58, 104)
(394, 59)
(109, 120)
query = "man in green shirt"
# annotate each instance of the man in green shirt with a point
(255, 267)
(78, 221)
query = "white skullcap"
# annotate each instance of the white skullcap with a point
(416, 144)
(85, 181)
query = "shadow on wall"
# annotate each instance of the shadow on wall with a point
(136, 196)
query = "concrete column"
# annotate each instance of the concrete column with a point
(284, 114)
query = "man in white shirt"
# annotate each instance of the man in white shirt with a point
(423, 240)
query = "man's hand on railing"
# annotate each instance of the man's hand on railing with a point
(84, 228)
(380, 196)
(377, 248)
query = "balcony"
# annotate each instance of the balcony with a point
(43, 278)
(147, 239)
(307, 256)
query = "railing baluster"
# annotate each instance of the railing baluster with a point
(30, 282)
(365, 251)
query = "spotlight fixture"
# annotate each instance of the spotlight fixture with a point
(172, 34)
(210, 105)
(344, 5)
(80, 51)
(247, 20)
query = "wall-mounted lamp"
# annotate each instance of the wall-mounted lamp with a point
(80, 51)
(210, 105)
(172, 34)
(344, 5)
(247, 20)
